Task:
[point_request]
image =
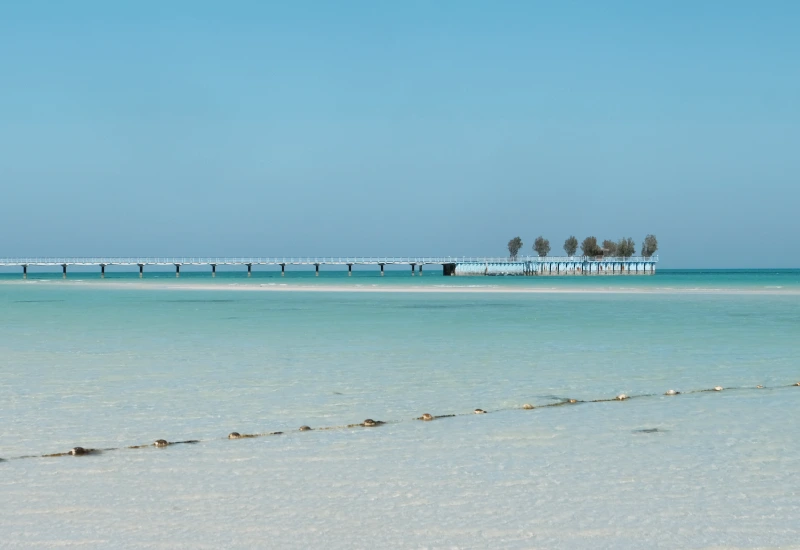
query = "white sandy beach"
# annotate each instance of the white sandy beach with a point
(399, 288)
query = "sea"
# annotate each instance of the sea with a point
(115, 364)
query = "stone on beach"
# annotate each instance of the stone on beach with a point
(369, 423)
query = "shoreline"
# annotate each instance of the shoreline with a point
(375, 288)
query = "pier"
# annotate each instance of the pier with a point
(451, 266)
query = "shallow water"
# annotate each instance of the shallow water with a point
(774, 280)
(110, 366)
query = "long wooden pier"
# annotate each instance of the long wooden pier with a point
(462, 266)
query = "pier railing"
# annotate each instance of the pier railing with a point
(330, 260)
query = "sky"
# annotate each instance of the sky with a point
(253, 128)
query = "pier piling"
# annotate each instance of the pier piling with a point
(24, 271)
(349, 270)
(102, 271)
(413, 266)
(283, 270)
(64, 270)
(420, 269)
(249, 270)
(382, 269)
(177, 270)
(141, 270)
(213, 270)
(316, 270)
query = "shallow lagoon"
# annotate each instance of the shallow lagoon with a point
(97, 366)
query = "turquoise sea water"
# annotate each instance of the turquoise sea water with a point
(108, 364)
(771, 279)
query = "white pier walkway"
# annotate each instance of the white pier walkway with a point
(452, 265)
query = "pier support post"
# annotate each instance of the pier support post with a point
(349, 270)
(316, 270)
(102, 271)
(177, 270)
(213, 270)
(382, 269)
(141, 270)
(420, 269)
(413, 267)
(249, 270)
(64, 270)
(283, 270)
(24, 271)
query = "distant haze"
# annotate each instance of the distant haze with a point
(406, 128)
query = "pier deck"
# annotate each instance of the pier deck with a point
(451, 265)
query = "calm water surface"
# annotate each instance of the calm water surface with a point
(83, 363)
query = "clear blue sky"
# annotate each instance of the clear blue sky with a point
(328, 128)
